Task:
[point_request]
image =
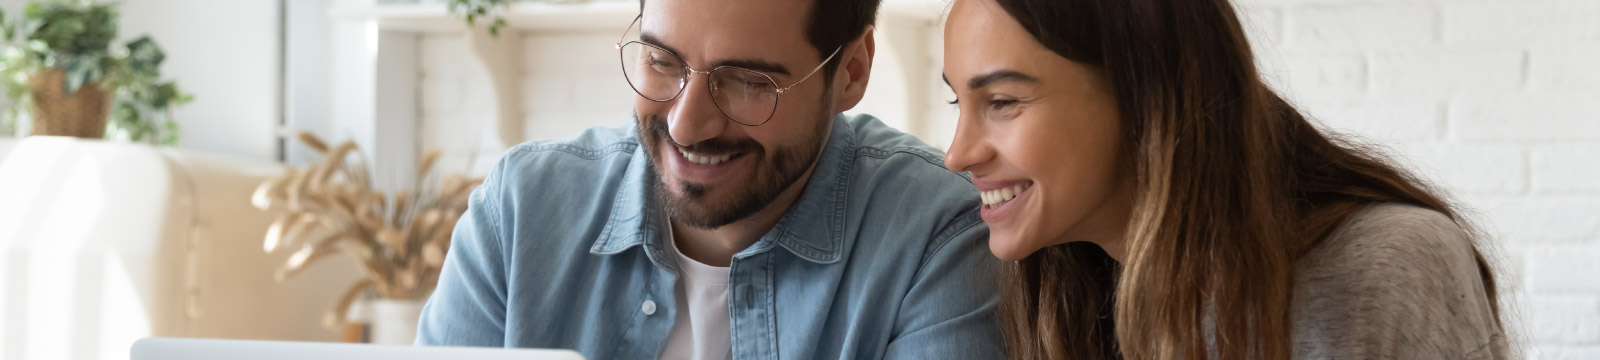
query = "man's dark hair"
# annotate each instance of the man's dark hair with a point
(832, 23)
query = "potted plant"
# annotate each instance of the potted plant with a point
(472, 10)
(65, 72)
(399, 239)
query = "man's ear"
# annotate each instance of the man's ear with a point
(855, 67)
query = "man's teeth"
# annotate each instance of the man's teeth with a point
(995, 198)
(704, 160)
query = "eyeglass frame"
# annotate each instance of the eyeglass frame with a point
(685, 78)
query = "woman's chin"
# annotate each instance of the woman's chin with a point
(1009, 247)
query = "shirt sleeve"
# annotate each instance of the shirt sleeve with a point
(468, 308)
(949, 311)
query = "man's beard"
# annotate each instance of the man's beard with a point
(694, 206)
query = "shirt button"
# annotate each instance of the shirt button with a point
(649, 307)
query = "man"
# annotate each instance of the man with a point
(740, 218)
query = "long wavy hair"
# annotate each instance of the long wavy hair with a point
(1232, 185)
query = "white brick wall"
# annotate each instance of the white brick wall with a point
(571, 82)
(1566, 168)
(1498, 101)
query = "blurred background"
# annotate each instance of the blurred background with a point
(186, 229)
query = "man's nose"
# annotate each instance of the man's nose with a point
(694, 116)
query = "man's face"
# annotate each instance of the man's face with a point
(712, 171)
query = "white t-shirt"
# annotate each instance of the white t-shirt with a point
(700, 331)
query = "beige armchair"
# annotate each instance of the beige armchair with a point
(105, 243)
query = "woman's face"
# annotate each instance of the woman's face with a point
(1038, 132)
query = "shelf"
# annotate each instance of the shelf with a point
(523, 16)
(539, 16)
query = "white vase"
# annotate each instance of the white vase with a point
(394, 322)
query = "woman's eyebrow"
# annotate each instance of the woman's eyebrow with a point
(991, 77)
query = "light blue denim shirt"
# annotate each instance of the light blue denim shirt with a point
(882, 257)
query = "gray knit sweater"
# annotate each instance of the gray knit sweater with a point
(1393, 282)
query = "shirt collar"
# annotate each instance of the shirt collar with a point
(811, 230)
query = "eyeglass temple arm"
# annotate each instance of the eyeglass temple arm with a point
(625, 32)
(813, 71)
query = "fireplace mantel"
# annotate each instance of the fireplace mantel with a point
(376, 48)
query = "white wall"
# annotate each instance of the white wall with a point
(1498, 101)
(309, 56)
(226, 53)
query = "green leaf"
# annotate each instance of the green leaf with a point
(169, 137)
(144, 55)
(33, 10)
(9, 27)
(74, 80)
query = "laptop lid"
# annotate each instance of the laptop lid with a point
(208, 349)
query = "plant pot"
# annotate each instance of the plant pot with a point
(80, 114)
(394, 322)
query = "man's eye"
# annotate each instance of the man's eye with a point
(1002, 104)
(758, 85)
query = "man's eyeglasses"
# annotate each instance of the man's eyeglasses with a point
(745, 96)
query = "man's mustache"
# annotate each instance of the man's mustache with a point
(713, 146)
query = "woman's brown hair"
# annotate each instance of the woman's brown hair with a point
(1232, 184)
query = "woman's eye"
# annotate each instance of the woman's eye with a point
(1003, 109)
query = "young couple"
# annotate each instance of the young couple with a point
(1121, 185)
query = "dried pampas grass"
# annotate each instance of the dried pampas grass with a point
(399, 241)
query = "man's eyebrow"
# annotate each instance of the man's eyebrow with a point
(651, 39)
(752, 64)
(998, 76)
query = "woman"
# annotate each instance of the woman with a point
(1158, 201)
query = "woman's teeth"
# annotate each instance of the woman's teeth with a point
(704, 160)
(995, 198)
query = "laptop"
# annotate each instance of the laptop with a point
(208, 349)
